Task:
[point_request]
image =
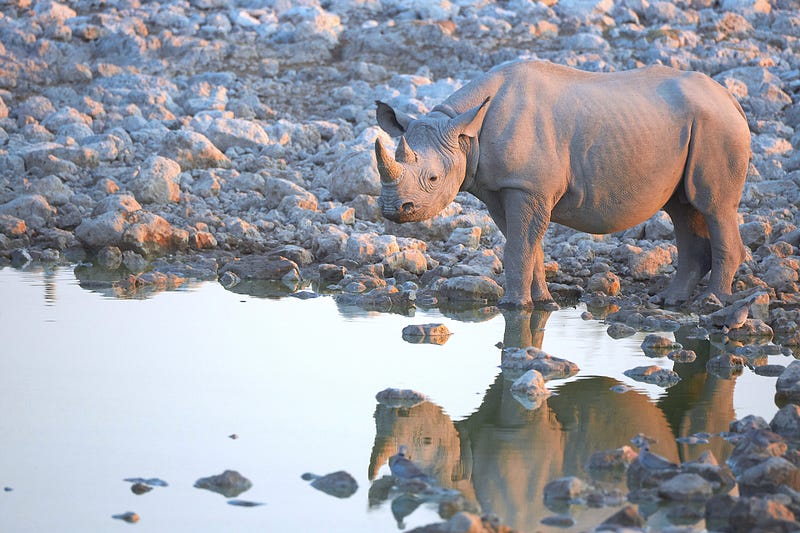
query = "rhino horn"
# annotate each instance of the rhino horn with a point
(404, 152)
(389, 169)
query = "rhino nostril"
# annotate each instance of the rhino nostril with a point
(407, 207)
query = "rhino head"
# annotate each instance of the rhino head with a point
(430, 163)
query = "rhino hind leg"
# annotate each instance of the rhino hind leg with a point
(694, 250)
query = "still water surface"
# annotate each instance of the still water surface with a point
(95, 389)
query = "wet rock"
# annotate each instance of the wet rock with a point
(470, 290)
(568, 488)
(627, 517)
(254, 267)
(725, 365)
(230, 483)
(619, 331)
(718, 511)
(20, 257)
(140, 488)
(611, 465)
(426, 333)
(657, 345)
(654, 374)
(682, 356)
(521, 360)
(768, 475)
(786, 422)
(129, 517)
(751, 514)
(788, 384)
(747, 423)
(338, 484)
(750, 329)
(530, 390)
(133, 262)
(685, 487)
(400, 397)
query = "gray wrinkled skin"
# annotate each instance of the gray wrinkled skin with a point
(598, 152)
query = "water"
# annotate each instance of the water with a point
(95, 389)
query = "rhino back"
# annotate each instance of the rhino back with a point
(593, 141)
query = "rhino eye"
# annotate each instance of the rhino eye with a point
(433, 179)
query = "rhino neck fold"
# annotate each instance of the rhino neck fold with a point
(468, 144)
(471, 149)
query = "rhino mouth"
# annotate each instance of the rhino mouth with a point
(400, 212)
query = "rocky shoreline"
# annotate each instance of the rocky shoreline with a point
(167, 141)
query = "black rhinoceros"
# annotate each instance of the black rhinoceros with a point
(598, 152)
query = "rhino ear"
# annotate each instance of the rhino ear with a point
(469, 122)
(392, 122)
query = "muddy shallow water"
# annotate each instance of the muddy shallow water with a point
(96, 389)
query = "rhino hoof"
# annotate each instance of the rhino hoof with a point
(513, 305)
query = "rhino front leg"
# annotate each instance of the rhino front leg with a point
(526, 219)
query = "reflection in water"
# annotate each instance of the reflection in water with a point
(503, 455)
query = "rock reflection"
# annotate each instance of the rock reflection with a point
(501, 457)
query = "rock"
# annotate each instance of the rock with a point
(748, 423)
(751, 328)
(53, 189)
(619, 331)
(682, 356)
(226, 133)
(769, 475)
(653, 343)
(34, 209)
(370, 248)
(604, 282)
(193, 150)
(614, 460)
(627, 517)
(339, 484)
(725, 364)
(470, 290)
(656, 375)
(354, 175)
(685, 487)
(426, 333)
(468, 237)
(109, 257)
(718, 511)
(140, 488)
(530, 390)
(763, 514)
(788, 384)
(133, 262)
(400, 397)
(566, 488)
(650, 263)
(151, 235)
(413, 261)
(254, 267)
(129, 517)
(156, 181)
(230, 483)
(521, 360)
(786, 422)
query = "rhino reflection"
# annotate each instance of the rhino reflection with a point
(503, 455)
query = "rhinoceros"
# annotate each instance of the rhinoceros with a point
(598, 152)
